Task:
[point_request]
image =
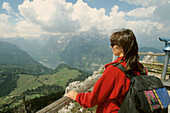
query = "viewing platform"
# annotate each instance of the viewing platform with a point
(88, 84)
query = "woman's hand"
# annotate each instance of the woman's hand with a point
(72, 95)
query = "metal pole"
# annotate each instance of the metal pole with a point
(166, 59)
(166, 62)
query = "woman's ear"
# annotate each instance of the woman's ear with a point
(121, 52)
(122, 49)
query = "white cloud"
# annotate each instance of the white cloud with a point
(161, 13)
(147, 3)
(7, 30)
(142, 12)
(22, 28)
(51, 15)
(158, 19)
(25, 28)
(4, 18)
(145, 27)
(114, 20)
(61, 16)
(54, 16)
(7, 7)
(88, 17)
(91, 19)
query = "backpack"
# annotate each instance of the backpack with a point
(146, 94)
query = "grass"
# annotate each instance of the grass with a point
(31, 82)
(34, 96)
(26, 82)
(61, 78)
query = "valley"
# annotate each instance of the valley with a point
(38, 70)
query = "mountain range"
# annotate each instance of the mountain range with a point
(82, 50)
(12, 57)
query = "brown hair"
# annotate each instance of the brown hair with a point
(126, 39)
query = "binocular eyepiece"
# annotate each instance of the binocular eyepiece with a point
(167, 41)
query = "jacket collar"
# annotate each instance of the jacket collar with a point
(117, 60)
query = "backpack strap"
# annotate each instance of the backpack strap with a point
(122, 68)
(143, 72)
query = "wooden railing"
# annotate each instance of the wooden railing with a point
(153, 54)
(57, 105)
(165, 82)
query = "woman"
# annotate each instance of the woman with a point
(109, 91)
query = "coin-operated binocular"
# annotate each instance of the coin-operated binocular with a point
(166, 49)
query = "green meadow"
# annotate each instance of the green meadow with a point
(60, 78)
(31, 82)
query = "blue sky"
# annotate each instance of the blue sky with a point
(92, 3)
(107, 5)
(13, 4)
(149, 19)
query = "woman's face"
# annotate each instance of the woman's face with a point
(117, 50)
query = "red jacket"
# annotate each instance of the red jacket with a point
(108, 92)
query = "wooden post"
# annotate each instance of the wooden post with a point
(24, 103)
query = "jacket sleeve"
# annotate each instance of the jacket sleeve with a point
(109, 86)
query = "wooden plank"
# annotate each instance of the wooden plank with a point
(153, 54)
(58, 103)
(149, 63)
(59, 106)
